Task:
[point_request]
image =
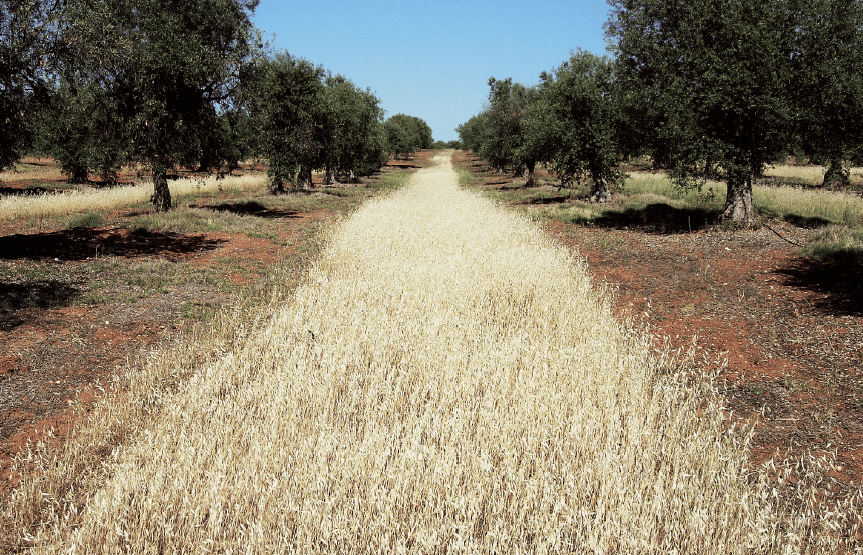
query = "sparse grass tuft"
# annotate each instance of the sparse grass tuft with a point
(88, 219)
(837, 244)
(200, 311)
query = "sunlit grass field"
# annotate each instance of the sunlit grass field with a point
(446, 379)
(797, 204)
(14, 207)
(810, 175)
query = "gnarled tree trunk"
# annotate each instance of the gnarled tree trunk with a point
(530, 175)
(738, 203)
(275, 184)
(837, 175)
(304, 178)
(600, 192)
(77, 173)
(330, 177)
(161, 198)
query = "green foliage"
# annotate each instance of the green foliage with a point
(577, 125)
(162, 74)
(441, 145)
(351, 133)
(713, 83)
(407, 134)
(508, 134)
(78, 127)
(472, 132)
(25, 47)
(504, 145)
(287, 96)
(310, 120)
(827, 87)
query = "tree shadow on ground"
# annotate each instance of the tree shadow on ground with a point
(81, 243)
(24, 191)
(839, 280)
(659, 218)
(806, 221)
(33, 294)
(558, 199)
(252, 208)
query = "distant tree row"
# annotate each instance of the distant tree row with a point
(709, 89)
(438, 145)
(101, 83)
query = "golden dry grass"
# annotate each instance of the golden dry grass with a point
(813, 175)
(447, 379)
(84, 200)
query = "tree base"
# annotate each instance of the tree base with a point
(600, 192)
(837, 176)
(739, 210)
(161, 198)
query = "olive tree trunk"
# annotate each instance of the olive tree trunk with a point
(161, 198)
(739, 209)
(837, 175)
(530, 174)
(601, 191)
(304, 178)
(330, 178)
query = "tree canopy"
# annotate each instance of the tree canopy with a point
(577, 126)
(828, 83)
(407, 134)
(352, 134)
(714, 80)
(287, 95)
(27, 44)
(709, 89)
(161, 73)
(504, 144)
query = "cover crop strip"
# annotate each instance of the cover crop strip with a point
(446, 380)
(13, 207)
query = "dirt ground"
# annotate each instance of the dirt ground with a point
(784, 332)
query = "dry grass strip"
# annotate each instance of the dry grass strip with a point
(13, 207)
(447, 380)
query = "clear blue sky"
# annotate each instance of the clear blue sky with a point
(432, 60)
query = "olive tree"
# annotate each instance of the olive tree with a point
(407, 134)
(167, 69)
(287, 98)
(576, 125)
(472, 132)
(504, 143)
(828, 83)
(350, 134)
(714, 80)
(27, 43)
